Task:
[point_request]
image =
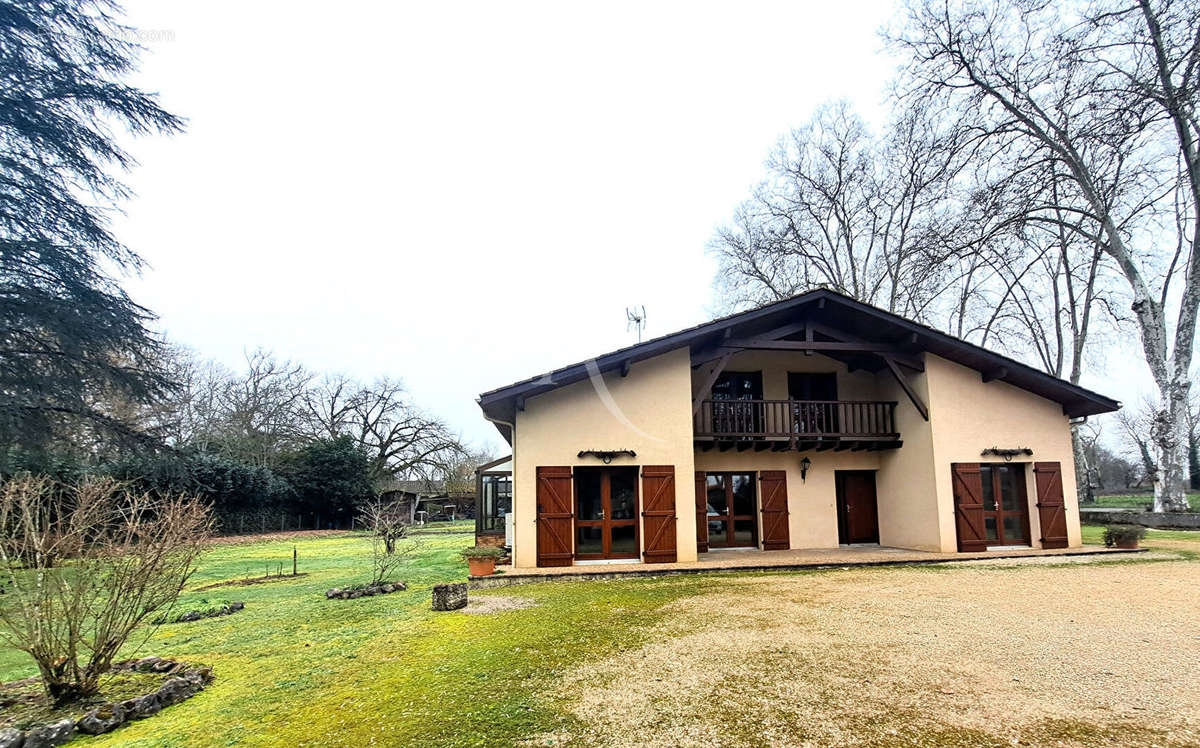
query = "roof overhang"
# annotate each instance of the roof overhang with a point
(904, 339)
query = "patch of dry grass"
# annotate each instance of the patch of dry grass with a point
(1047, 655)
(479, 606)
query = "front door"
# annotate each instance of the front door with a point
(731, 510)
(606, 513)
(858, 513)
(1005, 504)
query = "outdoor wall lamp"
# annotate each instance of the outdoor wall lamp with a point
(805, 464)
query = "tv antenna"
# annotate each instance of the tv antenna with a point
(636, 316)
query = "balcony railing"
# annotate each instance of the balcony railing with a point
(796, 419)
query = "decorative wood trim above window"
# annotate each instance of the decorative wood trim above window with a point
(606, 455)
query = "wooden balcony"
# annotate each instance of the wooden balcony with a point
(783, 425)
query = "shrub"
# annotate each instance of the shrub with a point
(83, 566)
(1123, 534)
(482, 551)
(231, 487)
(331, 476)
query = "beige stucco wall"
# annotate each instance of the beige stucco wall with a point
(652, 416)
(812, 503)
(906, 481)
(969, 415)
(650, 411)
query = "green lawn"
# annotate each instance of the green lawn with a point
(1140, 500)
(296, 669)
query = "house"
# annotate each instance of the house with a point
(813, 422)
(428, 499)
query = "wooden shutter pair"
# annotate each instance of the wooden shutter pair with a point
(555, 515)
(968, 505)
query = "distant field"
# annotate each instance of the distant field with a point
(1141, 499)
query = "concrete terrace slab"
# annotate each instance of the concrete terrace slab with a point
(793, 560)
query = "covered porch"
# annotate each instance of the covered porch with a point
(751, 560)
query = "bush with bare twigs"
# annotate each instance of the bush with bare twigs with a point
(390, 542)
(83, 566)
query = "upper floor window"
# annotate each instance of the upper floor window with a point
(738, 385)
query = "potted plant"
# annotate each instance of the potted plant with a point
(1123, 536)
(482, 560)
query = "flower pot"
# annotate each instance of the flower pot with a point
(1128, 544)
(482, 567)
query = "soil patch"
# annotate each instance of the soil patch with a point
(23, 705)
(267, 537)
(251, 581)
(480, 606)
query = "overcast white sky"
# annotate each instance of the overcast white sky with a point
(465, 194)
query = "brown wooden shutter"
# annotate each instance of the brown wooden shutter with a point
(701, 512)
(773, 489)
(1052, 515)
(968, 506)
(658, 513)
(554, 517)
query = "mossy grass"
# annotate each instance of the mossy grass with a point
(292, 669)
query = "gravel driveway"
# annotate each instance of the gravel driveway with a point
(972, 655)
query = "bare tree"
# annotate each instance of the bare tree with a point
(84, 566)
(1106, 92)
(843, 209)
(399, 439)
(261, 409)
(391, 545)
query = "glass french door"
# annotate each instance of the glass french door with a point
(1005, 504)
(732, 510)
(606, 513)
(737, 406)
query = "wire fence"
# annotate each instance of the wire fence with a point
(259, 523)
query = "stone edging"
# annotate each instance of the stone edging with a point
(382, 588)
(186, 683)
(199, 615)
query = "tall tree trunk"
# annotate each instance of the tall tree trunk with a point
(1193, 462)
(1169, 433)
(1083, 472)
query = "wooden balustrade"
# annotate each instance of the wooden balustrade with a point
(796, 419)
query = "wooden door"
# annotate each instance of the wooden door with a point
(658, 513)
(968, 506)
(554, 516)
(606, 513)
(1052, 514)
(1005, 504)
(858, 513)
(701, 513)
(731, 510)
(773, 488)
(813, 386)
(739, 402)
